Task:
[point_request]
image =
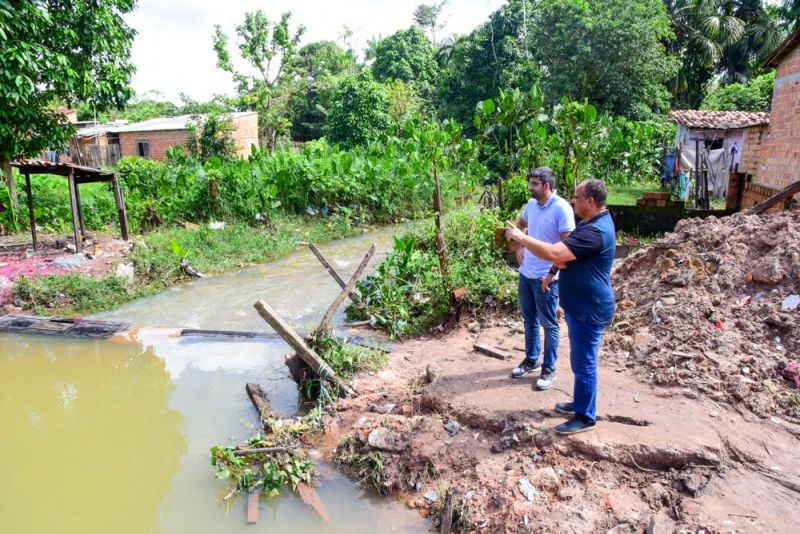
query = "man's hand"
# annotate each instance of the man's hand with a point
(513, 233)
(546, 282)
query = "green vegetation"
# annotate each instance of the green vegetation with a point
(268, 473)
(408, 293)
(368, 465)
(156, 263)
(755, 95)
(627, 195)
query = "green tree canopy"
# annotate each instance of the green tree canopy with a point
(609, 52)
(358, 112)
(55, 52)
(406, 55)
(755, 95)
(269, 47)
(317, 67)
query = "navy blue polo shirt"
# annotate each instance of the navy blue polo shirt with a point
(585, 288)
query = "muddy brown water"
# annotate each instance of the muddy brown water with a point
(114, 435)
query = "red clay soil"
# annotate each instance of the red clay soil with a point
(661, 458)
(17, 259)
(699, 410)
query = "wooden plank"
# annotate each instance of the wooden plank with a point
(488, 350)
(312, 359)
(781, 195)
(192, 332)
(252, 508)
(325, 324)
(353, 295)
(31, 214)
(310, 497)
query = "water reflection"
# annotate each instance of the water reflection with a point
(88, 430)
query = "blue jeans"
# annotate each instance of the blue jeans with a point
(539, 309)
(584, 341)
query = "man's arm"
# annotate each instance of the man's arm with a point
(522, 224)
(556, 253)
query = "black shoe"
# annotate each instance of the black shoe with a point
(567, 408)
(574, 425)
(524, 368)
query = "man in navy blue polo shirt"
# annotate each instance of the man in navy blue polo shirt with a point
(549, 218)
(587, 298)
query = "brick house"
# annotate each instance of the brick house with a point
(771, 157)
(152, 138)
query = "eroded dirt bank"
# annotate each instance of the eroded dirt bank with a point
(661, 459)
(699, 403)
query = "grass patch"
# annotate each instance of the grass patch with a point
(627, 195)
(156, 264)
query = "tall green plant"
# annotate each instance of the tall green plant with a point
(504, 123)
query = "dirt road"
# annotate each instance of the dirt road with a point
(661, 459)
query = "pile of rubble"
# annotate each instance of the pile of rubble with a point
(713, 308)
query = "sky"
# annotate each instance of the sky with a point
(173, 52)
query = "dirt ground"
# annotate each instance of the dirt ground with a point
(698, 403)
(661, 459)
(100, 257)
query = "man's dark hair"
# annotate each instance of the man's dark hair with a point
(595, 189)
(544, 175)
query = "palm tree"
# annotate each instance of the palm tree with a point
(703, 30)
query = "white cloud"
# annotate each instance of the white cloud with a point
(172, 51)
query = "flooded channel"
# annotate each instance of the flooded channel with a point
(114, 436)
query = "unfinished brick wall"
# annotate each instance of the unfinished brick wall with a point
(159, 142)
(246, 134)
(780, 164)
(659, 200)
(754, 139)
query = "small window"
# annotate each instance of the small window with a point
(143, 148)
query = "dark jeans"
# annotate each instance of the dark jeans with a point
(539, 309)
(584, 342)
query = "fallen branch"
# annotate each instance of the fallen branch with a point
(261, 450)
(785, 483)
(324, 325)
(353, 295)
(642, 468)
(312, 359)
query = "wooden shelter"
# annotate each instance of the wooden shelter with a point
(75, 175)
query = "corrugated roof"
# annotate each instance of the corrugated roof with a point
(180, 122)
(719, 120)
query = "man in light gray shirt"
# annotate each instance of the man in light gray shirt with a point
(547, 217)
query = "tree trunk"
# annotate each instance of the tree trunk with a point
(5, 167)
(501, 194)
(437, 211)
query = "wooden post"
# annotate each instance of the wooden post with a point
(353, 295)
(259, 399)
(325, 324)
(312, 359)
(120, 201)
(252, 508)
(447, 513)
(31, 214)
(80, 210)
(441, 251)
(74, 205)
